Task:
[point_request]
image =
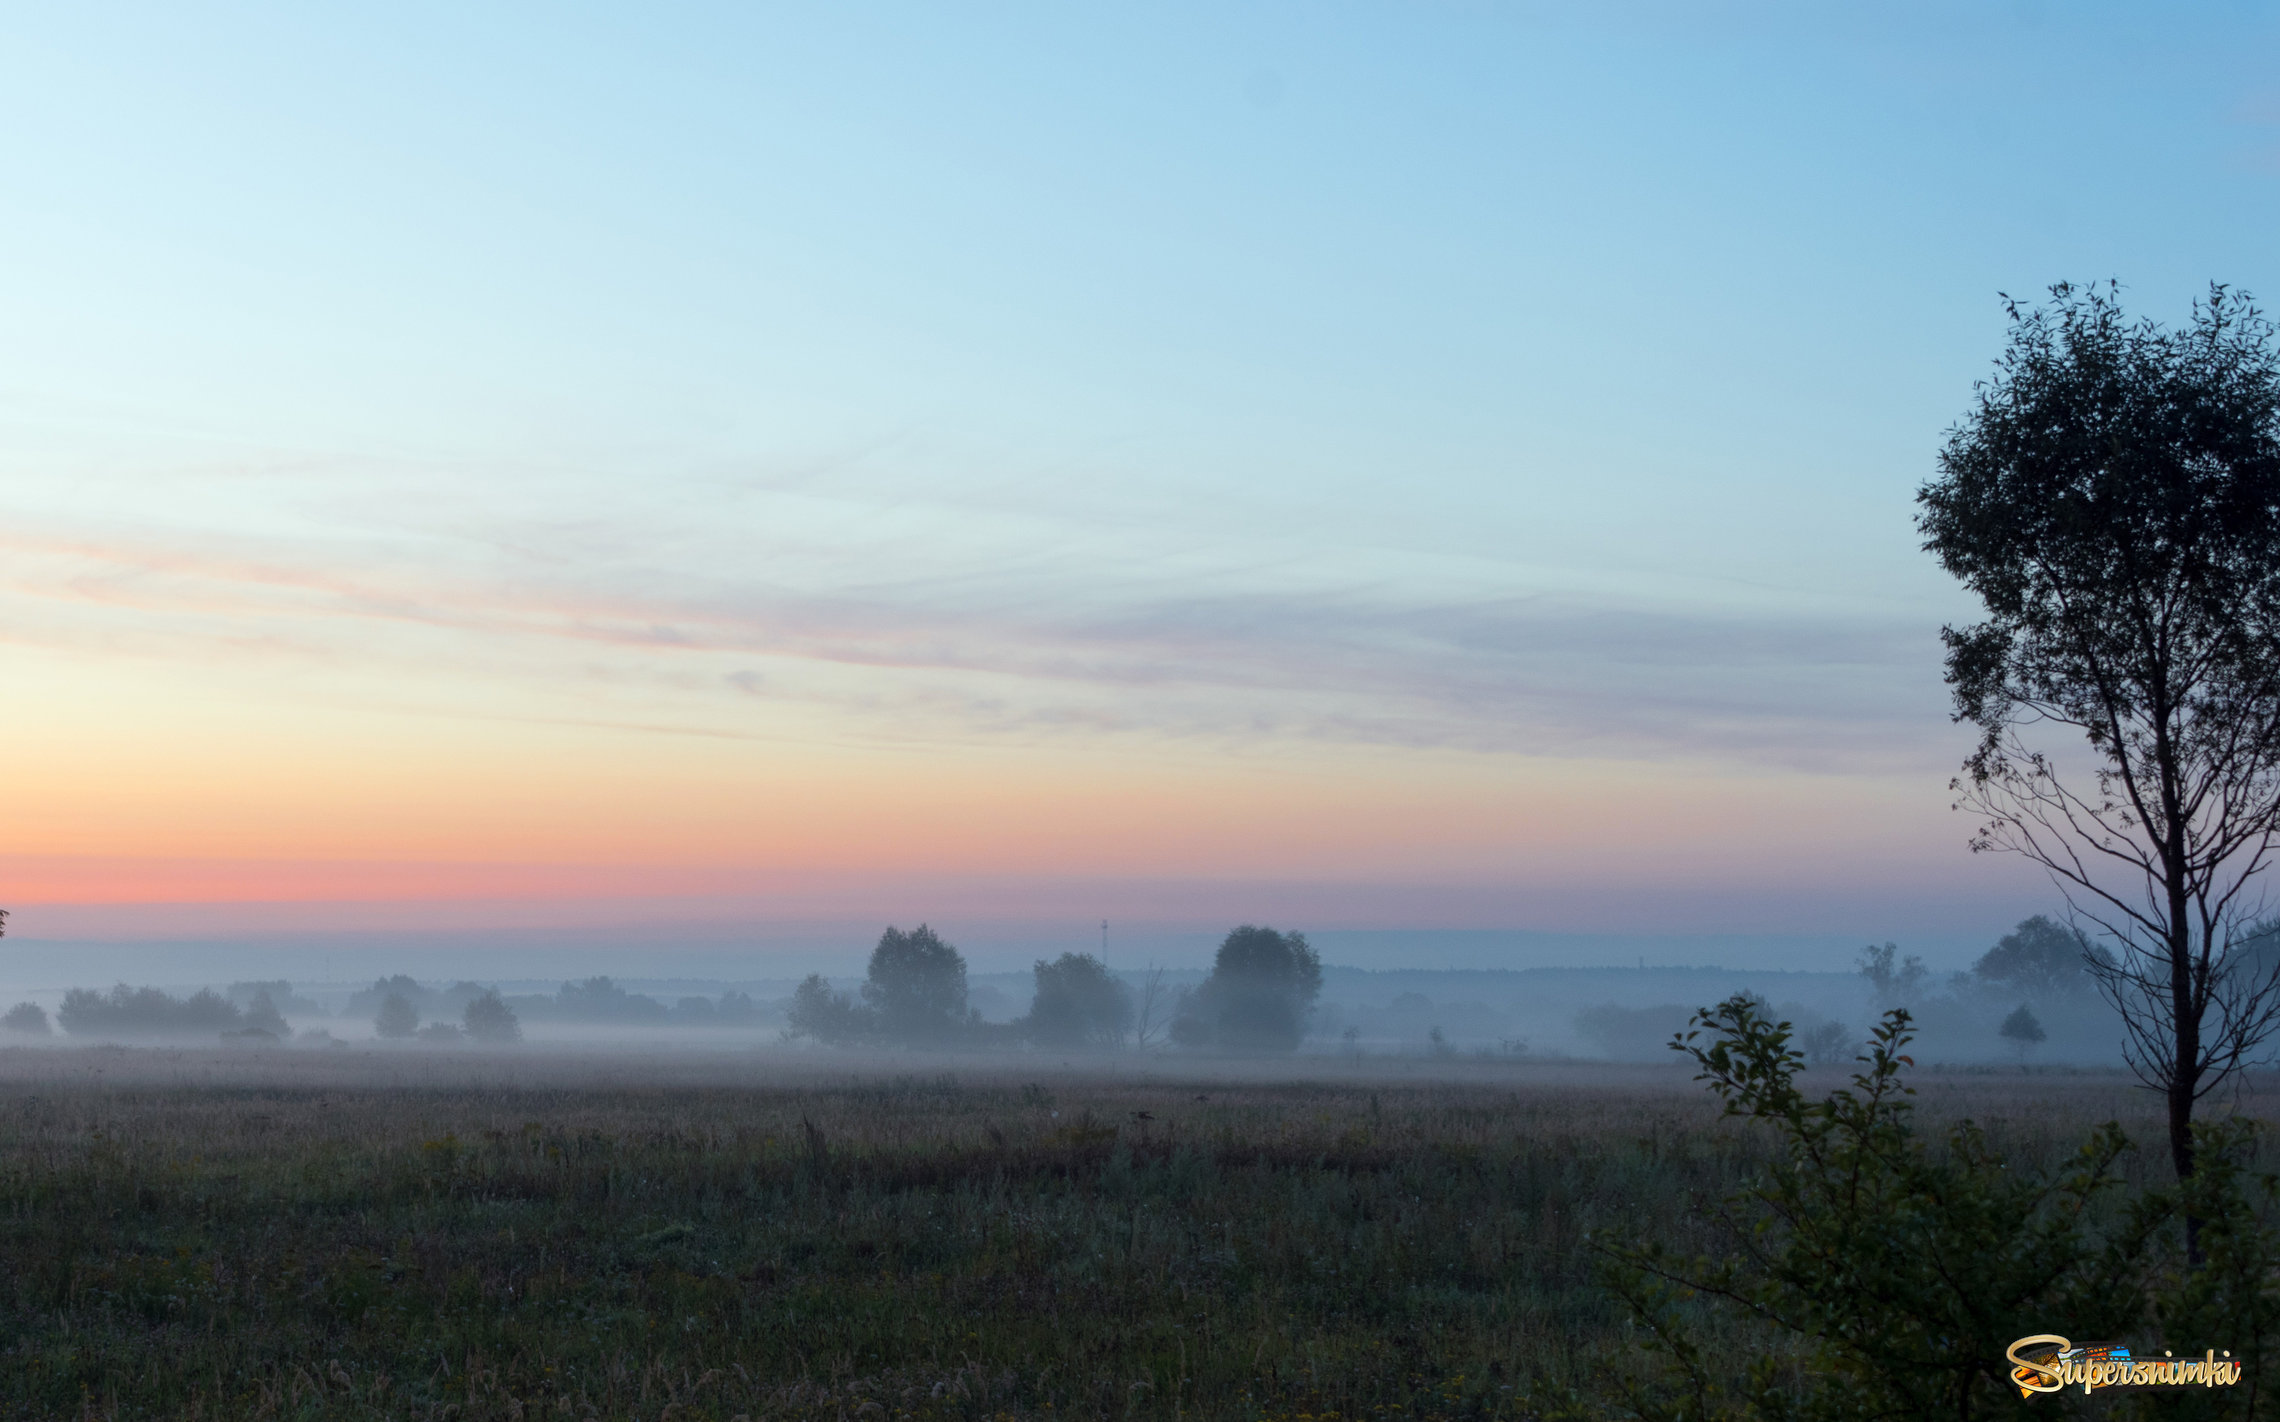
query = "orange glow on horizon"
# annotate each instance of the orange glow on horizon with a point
(151, 783)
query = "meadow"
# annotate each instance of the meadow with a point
(359, 1234)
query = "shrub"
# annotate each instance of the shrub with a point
(1895, 1271)
(2232, 1296)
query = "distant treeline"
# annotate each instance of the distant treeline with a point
(146, 1012)
(1258, 997)
(595, 1001)
(2033, 993)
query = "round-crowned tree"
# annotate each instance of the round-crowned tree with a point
(489, 1020)
(396, 1018)
(28, 1018)
(2113, 500)
(1079, 1004)
(916, 987)
(1260, 992)
(2040, 958)
(2022, 1030)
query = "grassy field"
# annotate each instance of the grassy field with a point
(351, 1234)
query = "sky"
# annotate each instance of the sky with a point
(750, 474)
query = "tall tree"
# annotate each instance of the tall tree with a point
(396, 1018)
(2113, 499)
(917, 986)
(489, 1019)
(1259, 994)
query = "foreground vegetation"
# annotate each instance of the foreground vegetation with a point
(296, 1236)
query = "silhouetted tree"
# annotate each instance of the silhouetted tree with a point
(281, 996)
(2039, 958)
(145, 1012)
(601, 1000)
(1826, 1043)
(489, 1020)
(1261, 989)
(396, 1018)
(1152, 1017)
(2021, 1030)
(832, 1018)
(916, 987)
(262, 1015)
(1895, 985)
(26, 1018)
(1633, 1034)
(369, 999)
(1079, 1003)
(2113, 499)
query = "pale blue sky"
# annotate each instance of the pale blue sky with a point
(1509, 380)
(1697, 285)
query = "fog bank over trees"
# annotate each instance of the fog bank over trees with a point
(1267, 995)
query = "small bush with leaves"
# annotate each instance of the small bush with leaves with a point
(1890, 1272)
(26, 1019)
(2230, 1297)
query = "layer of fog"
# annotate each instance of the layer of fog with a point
(1538, 1015)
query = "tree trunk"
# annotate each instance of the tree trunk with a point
(2183, 1074)
(2184, 1067)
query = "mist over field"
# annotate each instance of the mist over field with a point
(1541, 1014)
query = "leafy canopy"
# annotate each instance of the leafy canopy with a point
(1897, 1269)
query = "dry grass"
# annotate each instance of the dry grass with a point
(370, 1234)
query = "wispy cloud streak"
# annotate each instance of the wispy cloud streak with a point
(992, 632)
